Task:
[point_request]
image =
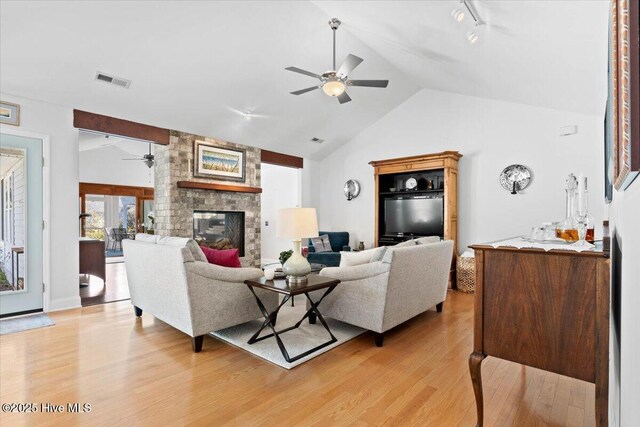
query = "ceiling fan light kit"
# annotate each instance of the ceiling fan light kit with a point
(333, 86)
(148, 159)
(334, 82)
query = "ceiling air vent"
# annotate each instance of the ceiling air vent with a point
(317, 140)
(118, 81)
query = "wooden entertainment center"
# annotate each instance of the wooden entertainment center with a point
(428, 176)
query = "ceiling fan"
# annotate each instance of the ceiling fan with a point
(148, 159)
(334, 82)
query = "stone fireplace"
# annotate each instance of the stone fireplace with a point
(178, 209)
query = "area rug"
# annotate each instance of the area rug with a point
(296, 341)
(19, 324)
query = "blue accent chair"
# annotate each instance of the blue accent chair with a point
(339, 241)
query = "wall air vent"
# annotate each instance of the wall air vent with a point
(118, 81)
(317, 140)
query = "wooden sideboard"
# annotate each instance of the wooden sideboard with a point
(92, 258)
(548, 310)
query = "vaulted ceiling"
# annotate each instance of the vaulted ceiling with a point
(196, 66)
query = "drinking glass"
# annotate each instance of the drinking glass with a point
(582, 231)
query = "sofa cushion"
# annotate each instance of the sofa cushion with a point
(222, 257)
(172, 241)
(321, 244)
(386, 258)
(147, 238)
(411, 242)
(197, 253)
(182, 242)
(427, 240)
(348, 259)
(388, 254)
(379, 254)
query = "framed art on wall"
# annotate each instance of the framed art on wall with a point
(624, 91)
(611, 111)
(9, 113)
(222, 163)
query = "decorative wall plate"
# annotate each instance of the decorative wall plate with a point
(351, 189)
(515, 178)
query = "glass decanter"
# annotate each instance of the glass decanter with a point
(583, 216)
(568, 229)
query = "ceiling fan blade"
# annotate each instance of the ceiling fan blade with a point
(134, 159)
(368, 83)
(301, 91)
(305, 72)
(344, 98)
(349, 65)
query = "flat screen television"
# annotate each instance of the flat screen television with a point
(422, 217)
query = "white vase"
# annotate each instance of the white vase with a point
(296, 267)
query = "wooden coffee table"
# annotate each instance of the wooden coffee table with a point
(315, 283)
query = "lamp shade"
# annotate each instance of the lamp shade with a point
(296, 223)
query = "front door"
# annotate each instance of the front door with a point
(21, 251)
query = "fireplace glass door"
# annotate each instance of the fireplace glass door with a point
(219, 229)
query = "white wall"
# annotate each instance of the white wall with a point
(105, 166)
(280, 189)
(624, 215)
(57, 123)
(491, 135)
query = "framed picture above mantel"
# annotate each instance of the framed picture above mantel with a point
(624, 91)
(219, 163)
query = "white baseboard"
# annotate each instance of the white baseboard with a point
(64, 303)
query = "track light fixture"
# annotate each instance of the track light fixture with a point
(472, 35)
(459, 14)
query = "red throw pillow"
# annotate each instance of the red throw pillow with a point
(222, 257)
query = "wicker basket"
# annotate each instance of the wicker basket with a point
(466, 274)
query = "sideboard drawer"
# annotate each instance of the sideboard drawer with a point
(539, 310)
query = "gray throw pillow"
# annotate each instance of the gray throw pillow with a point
(326, 242)
(388, 254)
(321, 243)
(379, 254)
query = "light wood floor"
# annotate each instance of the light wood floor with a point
(142, 372)
(116, 287)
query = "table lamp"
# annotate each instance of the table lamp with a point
(295, 224)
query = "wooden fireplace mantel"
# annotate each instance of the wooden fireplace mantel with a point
(196, 185)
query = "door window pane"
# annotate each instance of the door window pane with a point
(94, 225)
(12, 219)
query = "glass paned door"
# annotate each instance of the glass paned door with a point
(21, 251)
(110, 218)
(94, 224)
(147, 218)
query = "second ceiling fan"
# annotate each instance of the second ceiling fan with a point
(334, 82)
